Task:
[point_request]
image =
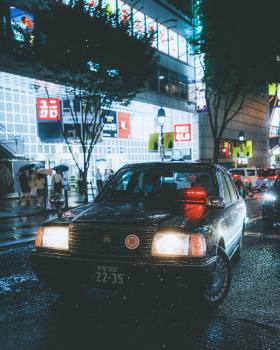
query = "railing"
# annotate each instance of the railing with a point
(13, 144)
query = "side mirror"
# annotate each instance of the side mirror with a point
(216, 202)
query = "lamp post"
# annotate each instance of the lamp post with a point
(161, 119)
(241, 138)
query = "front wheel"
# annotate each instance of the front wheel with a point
(217, 290)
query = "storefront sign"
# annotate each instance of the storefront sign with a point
(153, 142)
(110, 124)
(245, 150)
(182, 132)
(168, 140)
(124, 125)
(48, 109)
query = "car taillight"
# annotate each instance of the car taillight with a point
(236, 177)
(39, 237)
(272, 177)
(197, 245)
(196, 195)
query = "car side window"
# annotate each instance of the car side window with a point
(231, 188)
(224, 188)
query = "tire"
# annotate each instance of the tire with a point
(217, 290)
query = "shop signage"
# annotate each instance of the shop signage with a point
(48, 109)
(153, 142)
(168, 139)
(110, 124)
(243, 151)
(124, 125)
(182, 132)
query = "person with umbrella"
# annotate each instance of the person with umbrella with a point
(45, 172)
(57, 181)
(24, 187)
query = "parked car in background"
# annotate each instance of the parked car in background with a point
(154, 225)
(247, 175)
(271, 206)
(266, 177)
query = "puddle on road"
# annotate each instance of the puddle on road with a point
(12, 283)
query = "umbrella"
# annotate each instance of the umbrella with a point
(61, 167)
(44, 171)
(31, 166)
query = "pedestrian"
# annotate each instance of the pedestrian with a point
(32, 185)
(24, 188)
(40, 186)
(99, 180)
(57, 181)
(106, 176)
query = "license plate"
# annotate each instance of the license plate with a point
(108, 275)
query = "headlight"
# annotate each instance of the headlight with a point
(269, 197)
(171, 243)
(55, 237)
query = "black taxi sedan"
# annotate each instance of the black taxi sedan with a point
(154, 224)
(271, 207)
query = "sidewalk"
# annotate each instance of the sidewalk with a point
(9, 207)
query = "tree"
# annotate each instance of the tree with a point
(240, 47)
(96, 56)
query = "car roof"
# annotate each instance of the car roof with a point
(173, 164)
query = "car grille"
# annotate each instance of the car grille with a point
(109, 241)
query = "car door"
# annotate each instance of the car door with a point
(239, 213)
(227, 225)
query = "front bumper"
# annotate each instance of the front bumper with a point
(62, 272)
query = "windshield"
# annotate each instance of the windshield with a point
(237, 172)
(250, 172)
(157, 184)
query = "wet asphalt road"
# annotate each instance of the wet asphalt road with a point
(33, 317)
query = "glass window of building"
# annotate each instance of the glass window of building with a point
(173, 44)
(124, 11)
(138, 21)
(183, 56)
(152, 28)
(162, 38)
(164, 81)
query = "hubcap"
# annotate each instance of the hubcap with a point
(218, 285)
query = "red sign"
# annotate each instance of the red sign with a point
(182, 132)
(124, 125)
(48, 109)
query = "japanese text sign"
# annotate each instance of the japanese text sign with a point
(110, 128)
(48, 109)
(124, 125)
(182, 132)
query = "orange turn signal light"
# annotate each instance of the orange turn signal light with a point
(197, 245)
(39, 237)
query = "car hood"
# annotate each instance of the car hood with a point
(137, 214)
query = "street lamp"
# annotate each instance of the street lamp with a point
(161, 119)
(241, 136)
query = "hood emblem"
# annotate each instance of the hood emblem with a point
(107, 238)
(132, 242)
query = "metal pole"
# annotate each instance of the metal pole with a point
(162, 143)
